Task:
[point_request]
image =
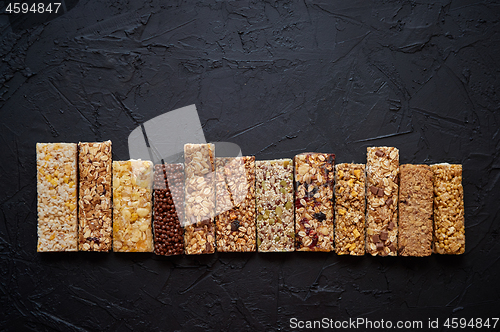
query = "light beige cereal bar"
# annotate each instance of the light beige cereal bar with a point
(449, 231)
(132, 191)
(274, 201)
(350, 207)
(199, 232)
(56, 197)
(94, 202)
(382, 178)
(314, 185)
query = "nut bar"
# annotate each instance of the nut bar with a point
(274, 200)
(169, 209)
(415, 210)
(382, 179)
(94, 204)
(350, 207)
(56, 189)
(449, 232)
(132, 185)
(314, 180)
(235, 194)
(199, 231)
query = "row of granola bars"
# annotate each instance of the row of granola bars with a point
(242, 205)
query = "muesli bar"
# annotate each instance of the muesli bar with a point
(415, 210)
(382, 185)
(314, 185)
(94, 203)
(132, 189)
(350, 207)
(235, 220)
(199, 231)
(56, 192)
(274, 202)
(449, 231)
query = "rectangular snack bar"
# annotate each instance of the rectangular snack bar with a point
(415, 210)
(449, 231)
(382, 184)
(274, 201)
(94, 203)
(350, 207)
(169, 209)
(314, 181)
(235, 193)
(132, 189)
(199, 231)
(56, 192)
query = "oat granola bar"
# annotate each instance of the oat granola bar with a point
(56, 197)
(314, 182)
(449, 231)
(415, 210)
(350, 209)
(274, 201)
(382, 178)
(94, 202)
(199, 231)
(132, 187)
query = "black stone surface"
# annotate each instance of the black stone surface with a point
(277, 78)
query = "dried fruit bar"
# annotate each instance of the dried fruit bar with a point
(274, 200)
(132, 186)
(235, 193)
(449, 232)
(56, 189)
(94, 203)
(199, 231)
(415, 210)
(314, 181)
(169, 209)
(350, 209)
(382, 176)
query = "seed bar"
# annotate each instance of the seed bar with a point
(449, 231)
(314, 181)
(199, 231)
(94, 204)
(56, 189)
(350, 207)
(274, 200)
(382, 178)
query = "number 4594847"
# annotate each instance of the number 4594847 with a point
(40, 8)
(478, 323)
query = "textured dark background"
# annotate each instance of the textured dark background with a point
(276, 78)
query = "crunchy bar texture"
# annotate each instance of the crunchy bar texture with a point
(56, 189)
(94, 204)
(382, 178)
(132, 186)
(235, 220)
(274, 200)
(415, 210)
(350, 209)
(199, 232)
(169, 209)
(314, 181)
(449, 231)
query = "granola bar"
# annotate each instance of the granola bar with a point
(199, 231)
(132, 186)
(382, 184)
(314, 181)
(449, 231)
(94, 204)
(350, 207)
(235, 193)
(415, 210)
(274, 200)
(56, 202)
